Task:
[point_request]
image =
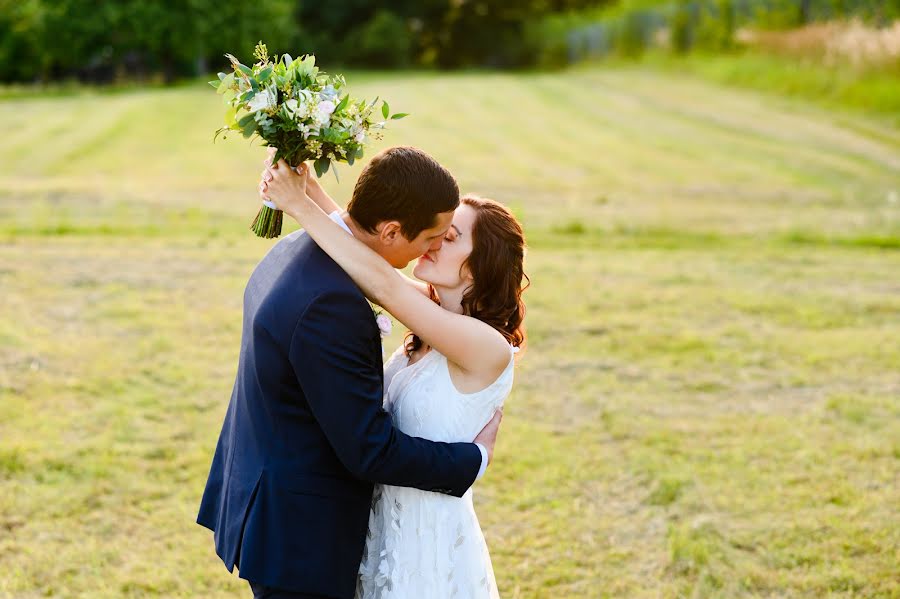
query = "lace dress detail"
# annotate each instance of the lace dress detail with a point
(422, 544)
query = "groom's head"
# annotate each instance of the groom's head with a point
(404, 200)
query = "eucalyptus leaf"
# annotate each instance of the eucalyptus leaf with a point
(245, 119)
(264, 74)
(321, 165)
(249, 129)
(343, 103)
(230, 113)
(245, 70)
(226, 83)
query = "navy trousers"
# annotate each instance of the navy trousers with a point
(261, 591)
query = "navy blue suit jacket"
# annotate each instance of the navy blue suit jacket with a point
(305, 435)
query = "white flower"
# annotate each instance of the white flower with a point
(300, 106)
(326, 107)
(262, 100)
(322, 120)
(360, 137)
(306, 130)
(384, 324)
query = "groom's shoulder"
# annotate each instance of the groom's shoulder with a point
(308, 267)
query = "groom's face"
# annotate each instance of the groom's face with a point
(400, 251)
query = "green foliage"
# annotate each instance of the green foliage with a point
(631, 38)
(633, 26)
(549, 37)
(779, 14)
(385, 41)
(20, 57)
(681, 28)
(104, 41)
(114, 40)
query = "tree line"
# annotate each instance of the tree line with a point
(630, 27)
(109, 40)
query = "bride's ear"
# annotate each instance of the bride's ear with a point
(389, 232)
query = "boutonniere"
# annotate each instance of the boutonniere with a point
(382, 320)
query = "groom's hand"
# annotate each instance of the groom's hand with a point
(488, 435)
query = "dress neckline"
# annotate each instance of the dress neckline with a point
(407, 370)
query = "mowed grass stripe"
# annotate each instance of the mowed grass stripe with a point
(702, 129)
(767, 115)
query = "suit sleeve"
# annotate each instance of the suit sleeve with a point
(333, 352)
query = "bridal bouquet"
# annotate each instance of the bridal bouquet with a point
(303, 112)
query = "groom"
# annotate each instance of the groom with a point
(305, 436)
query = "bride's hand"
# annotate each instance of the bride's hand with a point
(314, 189)
(285, 187)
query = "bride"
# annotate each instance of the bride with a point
(444, 383)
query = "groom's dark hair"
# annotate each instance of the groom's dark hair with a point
(406, 185)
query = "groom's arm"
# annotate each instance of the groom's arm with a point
(331, 353)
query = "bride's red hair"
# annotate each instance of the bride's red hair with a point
(497, 265)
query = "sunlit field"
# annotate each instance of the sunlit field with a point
(709, 405)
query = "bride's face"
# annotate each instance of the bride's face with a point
(399, 251)
(443, 267)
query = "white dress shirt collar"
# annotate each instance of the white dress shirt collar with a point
(338, 217)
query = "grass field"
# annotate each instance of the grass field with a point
(710, 405)
(868, 90)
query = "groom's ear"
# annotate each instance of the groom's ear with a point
(389, 232)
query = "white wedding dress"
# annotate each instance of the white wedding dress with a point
(424, 545)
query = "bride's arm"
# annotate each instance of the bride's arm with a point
(415, 284)
(472, 345)
(317, 194)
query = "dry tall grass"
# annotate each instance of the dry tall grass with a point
(836, 42)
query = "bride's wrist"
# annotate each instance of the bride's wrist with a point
(303, 209)
(314, 190)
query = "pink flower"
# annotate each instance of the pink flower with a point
(384, 324)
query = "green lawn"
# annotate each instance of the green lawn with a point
(709, 407)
